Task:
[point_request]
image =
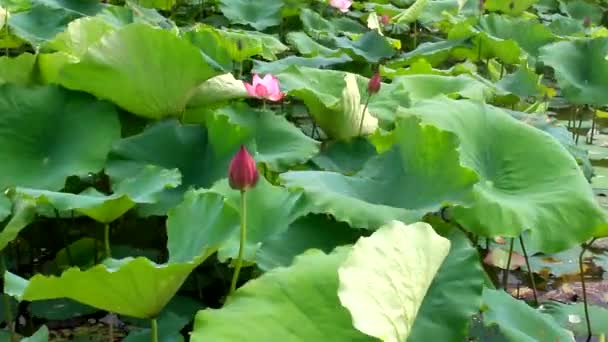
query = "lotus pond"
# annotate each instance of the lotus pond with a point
(304, 170)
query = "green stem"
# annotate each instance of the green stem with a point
(106, 240)
(154, 333)
(363, 114)
(239, 260)
(7, 302)
(64, 233)
(530, 273)
(505, 275)
(582, 273)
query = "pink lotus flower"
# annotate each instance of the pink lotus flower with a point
(264, 88)
(342, 5)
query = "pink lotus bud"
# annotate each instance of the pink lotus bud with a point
(374, 83)
(242, 173)
(587, 21)
(385, 19)
(342, 5)
(264, 88)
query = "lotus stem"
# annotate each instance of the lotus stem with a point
(592, 129)
(239, 260)
(505, 274)
(106, 240)
(65, 240)
(578, 130)
(530, 273)
(582, 273)
(7, 302)
(363, 114)
(154, 333)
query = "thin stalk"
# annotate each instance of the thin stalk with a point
(65, 240)
(106, 240)
(505, 275)
(530, 273)
(415, 33)
(502, 70)
(580, 265)
(7, 302)
(592, 129)
(154, 334)
(363, 114)
(239, 260)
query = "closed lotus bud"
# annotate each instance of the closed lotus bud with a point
(242, 173)
(374, 83)
(587, 21)
(385, 19)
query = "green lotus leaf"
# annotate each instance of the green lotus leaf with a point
(280, 65)
(518, 321)
(421, 87)
(131, 12)
(335, 99)
(346, 157)
(454, 295)
(5, 206)
(270, 211)
(315, 25)
(523, 83)
(259, 14)
(160, 4)
(23, 213)
(433, 52)
(90, 202)
(48, 134)
(308, 47)
(580, 68)
(565, 26)
(18, 70)
(41, 335)
(578, 9)
(132, 286)
(371, 47)
(129, 68)
(509, 6)
(514, 193)
(80, 35)
(50, 65)
(572, 317)
(394, 267)
(80, 7)
(218, 89)
(420, 173)
(146, 186)
(297, 303)
(311, 231)
(40, 23)
(198, 225)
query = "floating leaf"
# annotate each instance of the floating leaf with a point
(398, 262)
(18, 70)
(260, 14)
(572, 317)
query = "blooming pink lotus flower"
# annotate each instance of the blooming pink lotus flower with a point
(242, 172)
(264, 88)
(342, 5)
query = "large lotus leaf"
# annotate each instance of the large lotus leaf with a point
(346, 157)
(5, 206)
(420, 87)
(218, 89)
(270, 211)
(41, 335)
(160, 4)
(312, 231)
(134, 287)
(371, 47)
(146, 186)
(80, 35)
(518, 321)
(80, 7)
(529, 35)
(199, 225)
(572, 317)
(316, 25)
(260, 14)
(579, 9)
(541, 189)
(40, 23)
(386, 276)
(307, 46)
(421, 172)
(454, 295)
(485, 45)
(336, 102)
(274, 140)
(433, 52)
(523, 83)
(513, 7)
(580, 68)
(23, 213)
(18, 70)
(297, 303)
(280, 65)
(48, 133)
(131, 68)
(90, 202)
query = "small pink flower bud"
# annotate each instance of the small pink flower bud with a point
(385, 19)
(242, 173)
(374, 83)
(587, 21)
